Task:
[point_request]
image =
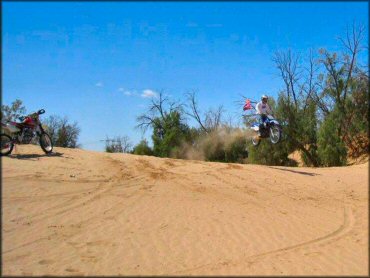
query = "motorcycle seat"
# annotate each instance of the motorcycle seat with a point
(22, 125)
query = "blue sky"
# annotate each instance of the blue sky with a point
(98, 63)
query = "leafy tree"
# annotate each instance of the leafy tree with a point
(14, 111)
(237, 149)
(267, 153)
(62, 132)
(356, 123)
(120, 144)
(277, 154)
(309, 123)
(331, 148)
(295, 105)
(169, 132)
(168, 124)
(51, 125)
(345, 93)
(142, 148)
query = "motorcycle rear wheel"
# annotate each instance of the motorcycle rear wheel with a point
(46, 143)
(7, 144)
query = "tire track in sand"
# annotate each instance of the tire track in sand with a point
(76, 202)
(340, 232)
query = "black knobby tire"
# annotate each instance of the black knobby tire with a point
(6, 140)
(256, 141)
(275, 130)
(45, 143)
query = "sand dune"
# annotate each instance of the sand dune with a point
(89, 213)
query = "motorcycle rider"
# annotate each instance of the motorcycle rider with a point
(263, 109)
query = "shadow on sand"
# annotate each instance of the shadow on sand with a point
(31, 156)
(297, 172)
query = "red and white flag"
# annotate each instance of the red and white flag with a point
(247, 105)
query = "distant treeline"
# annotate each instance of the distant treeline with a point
(62, 132)
(324, 108)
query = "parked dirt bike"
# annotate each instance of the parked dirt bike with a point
(271, 130)
(25, 132)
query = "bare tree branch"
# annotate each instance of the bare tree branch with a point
(213, 118)
(352, 44)
(159, 108)
(195, 110)
(144, 122)
(288, 65)
(330, 63)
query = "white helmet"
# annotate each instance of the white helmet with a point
(264, 97)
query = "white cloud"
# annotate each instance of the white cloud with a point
(148, 93)
(144, 93)
(99, 84)
(127, 92)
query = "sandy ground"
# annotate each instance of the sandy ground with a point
(89, 213)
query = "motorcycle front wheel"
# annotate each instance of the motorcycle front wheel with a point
(7, 144)
(275, 134)
(46, 143)
(256, 140)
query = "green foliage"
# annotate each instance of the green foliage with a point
(308, 135)
(67, 135)
(212, 147)
(359, 103)
(355, 123)
(300, 132)
(331, 148)
(236, 151)
(111, 148)
(142, 148)
(275, 154)
(169, 132)
(120, 144)
(62, 132)
(270, 154)
(14, 111)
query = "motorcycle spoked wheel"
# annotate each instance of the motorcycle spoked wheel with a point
(7, 144)
(46, 143)
(275, 134)
(256, 140)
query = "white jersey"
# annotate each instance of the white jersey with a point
(263, 108)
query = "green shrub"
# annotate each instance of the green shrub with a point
(331, 149)
(142, 148)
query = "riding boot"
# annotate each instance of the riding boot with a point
(261, 128)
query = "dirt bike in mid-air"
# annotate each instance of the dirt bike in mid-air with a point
(271, 129)
(25, 132)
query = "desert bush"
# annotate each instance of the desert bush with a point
(331, 148)
(14, 111)
(142, 148)
(62, 132)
